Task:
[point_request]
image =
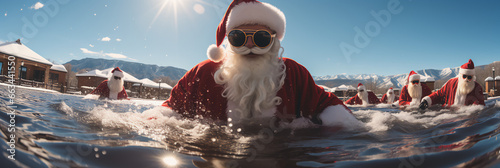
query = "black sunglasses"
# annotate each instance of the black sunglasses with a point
(261, 38)
(467, 76)
(415, 82)
(117, 78)
(361, 90)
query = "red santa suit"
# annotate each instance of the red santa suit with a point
(197, 94)
(405, 98)
(385, 97)
(103, 91)
(448, 94)
(103, 88)
(372, 98)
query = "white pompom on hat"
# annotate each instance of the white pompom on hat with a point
(241, 12)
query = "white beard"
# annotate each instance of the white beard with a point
(115, 87)
(464, 86)
(364, 97)
(463, 89)
(415, 92)
(251, 83)
(390, 98)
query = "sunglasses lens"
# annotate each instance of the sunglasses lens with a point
(236, 38)
(262, 38)
(464, 76)
(415, 82)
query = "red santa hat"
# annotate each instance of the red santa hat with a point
(413, 76)
(361, 86)
(390, 90)
(117, 72)
(467, 68)
(242, 12)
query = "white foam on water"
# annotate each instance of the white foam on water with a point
(155, 123)
(66, 109)
(91, 97)
(376, 120)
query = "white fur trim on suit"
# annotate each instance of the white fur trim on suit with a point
(257, 13)
(338, 115)
(428, 99)
(118, 73)
(414, 77)
(214, 53)
(467, 71)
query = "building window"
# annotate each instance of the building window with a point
(54, 77)
(1, 68)
(39, 75)
(23, 71)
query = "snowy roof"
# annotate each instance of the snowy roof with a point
(149, 83)
(426, 79)
(497, 78)
(95, 72)
(488, 79)
(107, 73)
(343, 88)
(22, 51)
(58, 68)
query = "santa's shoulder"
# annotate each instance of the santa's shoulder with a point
(290, 63)
(206, 66)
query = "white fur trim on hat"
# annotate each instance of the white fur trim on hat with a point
(414, 77)
(118, 74)
(258, 13)
(362, 87)
(467, 71)
(214, 53)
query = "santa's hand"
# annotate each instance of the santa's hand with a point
(423, 105)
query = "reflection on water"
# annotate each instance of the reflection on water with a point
(58, 130)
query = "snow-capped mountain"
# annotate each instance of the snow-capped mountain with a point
(397, 81)
(135, 69)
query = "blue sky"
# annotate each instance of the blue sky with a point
(421, 34)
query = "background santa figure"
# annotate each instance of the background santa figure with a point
(461, 90)
(113, 87)
(413, 92)
(364, 97)
(249, 79)
(389, 97)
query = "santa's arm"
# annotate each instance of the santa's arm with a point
(479, 95)
(351, 100)
(384, 99)
(373, 98)
(436, 97)
(404, 97)
(99, 88)
(124, 94)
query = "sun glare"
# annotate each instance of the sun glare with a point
(172, 9)
(170, 161)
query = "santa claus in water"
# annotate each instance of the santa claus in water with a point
(461, 90)
(364, 97)
(413, 92)
(113, 87)
(389, 97)
(248, 79)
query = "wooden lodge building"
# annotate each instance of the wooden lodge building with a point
(31, 69)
